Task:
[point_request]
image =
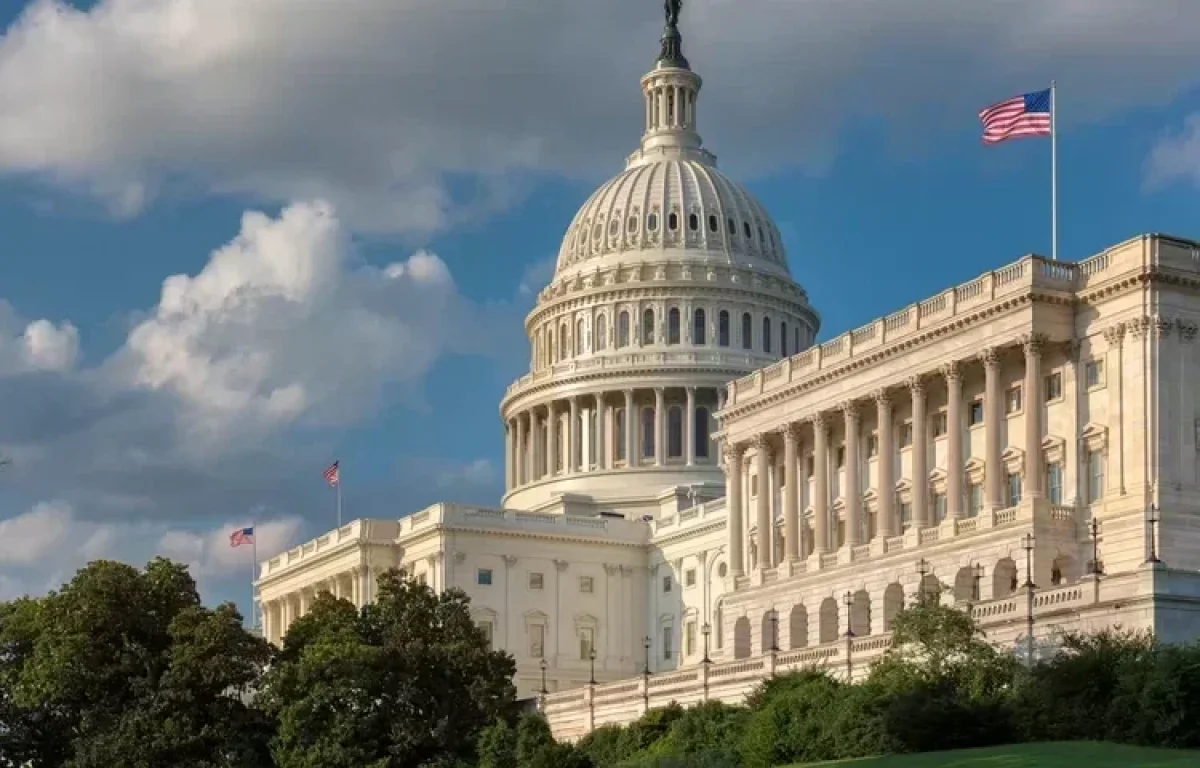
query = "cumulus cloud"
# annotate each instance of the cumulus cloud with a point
(411, 116)
(1176, 157)
(40, 345)
(43, 547)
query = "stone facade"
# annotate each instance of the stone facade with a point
(698, 497)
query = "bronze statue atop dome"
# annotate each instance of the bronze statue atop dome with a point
(672, 8)
(671, 54)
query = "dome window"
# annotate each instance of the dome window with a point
(746, 229)
(723, 329)
(732, 227)
(633, 224)
(673, 221)
(761, 239)
(652, 222)
(596, 231)
(712, 223)
(613, 226)
(673, 325)
(693, 222)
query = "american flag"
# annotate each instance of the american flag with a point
(331, 474)
(241, 536)
(1027, 115)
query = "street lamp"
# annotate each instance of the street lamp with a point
(1094, 567)
(542, 665)
(705, 630)
(977, 575)
(1153, 519)
(923, 570)
(774, 615)
(646, 676)
(592, 658)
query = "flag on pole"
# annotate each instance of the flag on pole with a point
(241, 536)
(332, 473)
(1025, 115)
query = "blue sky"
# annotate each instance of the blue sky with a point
(410, 172)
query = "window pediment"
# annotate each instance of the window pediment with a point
(1013, 460)
(1054, 448)
(937, 479)
(1094, 437)
(975, 470)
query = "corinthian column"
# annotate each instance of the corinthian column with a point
(733, 502)
(920, 455)
(762, 502)
(791, 494)
(632, 425)
(551, 439)
(885, 484)
(820, 485)
(574, 438)
(660, 416)
(853, 490)
(954, 444)
(993, 420)
(522, 455)
(1032, 485)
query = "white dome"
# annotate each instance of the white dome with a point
(669, 204)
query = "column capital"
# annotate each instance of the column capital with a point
(1139, 326)
(731, 450)
(1162, 326)
(690, 390)
(882, 398)
(916, 385)
(510, 560)
(990, 358)
(660, 391)
(819, 421)
(1187, 329)
(1114, 333)
(790, 433)
(761, 442)
(1033, 344)
(574, 401)
(952, 371)
(850, 411)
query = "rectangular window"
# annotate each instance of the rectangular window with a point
(666, 643)
(1054, 482)
(1095, 467)
(975, 499)
(939, 507)
(1012, 400)
(483, 577)
(906, 434)
(689, 577)
(841, 456)
(808, 467)
(536, 581)
(937, 424)
(486, 628)
(1053, 386)
(1014, 489)
(586, 584)
(619, 433)
(905, 515)
(975, 414)
(666, 583)
(1094, 373)
(753, 485)
(587, 642)
(422, 579)
(872, 445)
(537, 641)
(689, 638)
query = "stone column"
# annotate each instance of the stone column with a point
(689, 427)
(1032, 483)
(660, 419)
(820, 485)
(632, 425)
(762, 502)
(551, 439)
(952, 372)
(508, 454)
(993, 426)
(733, 500)
(853, 490)
(601, 456)
(536, 443)
(574, 437)
(791, 493)
(885, 478)
(920, 454)
(521, 451)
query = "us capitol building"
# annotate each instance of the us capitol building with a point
(699, 496)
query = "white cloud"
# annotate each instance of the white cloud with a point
(474, 474)
(28, 538)
(1176, 157)
(410, 115)
(38, 346)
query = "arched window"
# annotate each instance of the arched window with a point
(747, 331)
(579, 336)
(693, 222)
(701, 432)
(550, 346)
(673, 325)
(746, 229)
(723, 328)
(600, 340)
(648, 327)
(564, 344)
(652, 222)
(623, 329)
(783, 347)
(674, 432)
(712, 223)
(619, 434)
(699, 328)
(732, 227)
(672, 221)
(647, 433)
(767, 335)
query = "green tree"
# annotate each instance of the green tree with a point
(408, 681)
(125, 667)
(497, 747)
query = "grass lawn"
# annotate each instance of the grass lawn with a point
(1080, 754)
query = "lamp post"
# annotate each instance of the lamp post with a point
(923, 570)
(646, 676)
(1153, 519)
(706, 630)
(542, 665)
(774, 616)
(848, 599)
(976, 577)
(1027, 543)
(1095, 568)
(592, 659)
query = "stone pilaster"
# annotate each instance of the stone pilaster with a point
(820, 485)
(920, 454)
(1032, 486)
(885, 483)
(735, 526)
(762, 501)
(952, 372)
(993, 425)
(791, 493)
(852, 493)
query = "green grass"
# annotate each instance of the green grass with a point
(1078, 754)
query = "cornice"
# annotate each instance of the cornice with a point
(675, 537)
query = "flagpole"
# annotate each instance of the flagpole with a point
(1053, 171)
(339, 495)
(253, 570)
